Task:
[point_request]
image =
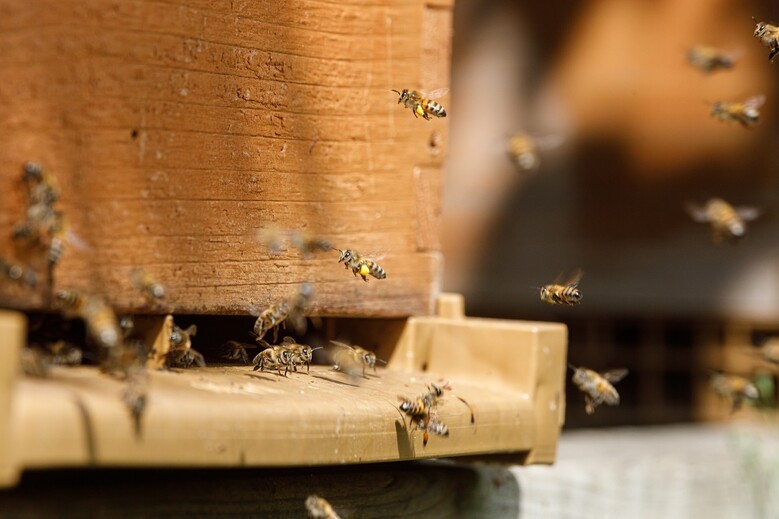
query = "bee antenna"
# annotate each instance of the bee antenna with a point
(572, 366)
(317, 348)
(397, 92)
(382, 361)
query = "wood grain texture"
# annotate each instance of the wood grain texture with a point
(178, 129)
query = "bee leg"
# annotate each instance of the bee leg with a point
(774, 52)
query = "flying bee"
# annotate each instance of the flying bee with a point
(432, 424)
(769, 36)
(423, 105)
(274, 357)
(709, 59)
(524, 149)
(181, 352)
(726, 221)
(19, 274)
(319, 508)
(308, 244)
(746, 113)
(270, 319)
(736, 388)
(147, 284)
(597, 387)
(567, 293)
(101, 321)
(361, 265)
(355, 356)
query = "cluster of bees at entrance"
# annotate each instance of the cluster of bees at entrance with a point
(125, 353)
(728, 224)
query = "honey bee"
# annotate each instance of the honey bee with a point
(432, 424)
(737, 388)
(354, 356)
(147, 284)
(422, 105)
(360, 265)
(308, 244)
(567, 293)
(302, 354)
(65, 354)
(746, 113)
(726, 221)
(181, 352)
(135, 396)
(270, 319)
(422, 411)
(17, 273)
(101, 321)
(274, 357)
(597, 387)
(292, 310)
(708, 59)
(319, 508)
(769, 36)
(234, 350)
(524, 149)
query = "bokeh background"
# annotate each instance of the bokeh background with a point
(638, 143)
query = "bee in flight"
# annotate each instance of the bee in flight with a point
(319, 508)
(351, 358)
(293, 310)
(709, 59)
(567, 293)
(19, 274)
(736, 388)
(423, 105)
(769, 36)
(746, 113)
(360, 264)
(726, 221)
(306, 243)
(147, 284)
(524, 149)
(101, 321)
(597, 387)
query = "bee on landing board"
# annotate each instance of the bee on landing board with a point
(319, 508)
(597, 387)
(769, 37)
(736, 388)
(181, 352)
(236, 351)
(746, 113)
(302, 354)
(567, 293)
(274, 357)
(709, 59)
(422, 105)
(727, 222)
(360, 264)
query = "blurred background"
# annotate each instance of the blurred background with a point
(608, 82)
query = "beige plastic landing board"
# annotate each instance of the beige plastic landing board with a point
(511, 374)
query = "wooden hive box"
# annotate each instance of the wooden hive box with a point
(176, 130)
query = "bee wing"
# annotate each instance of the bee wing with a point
(77, 242)
(341, 345)
(437, 93)
(754, 102)
(615, 375)
(747, 213)
(575, 277)
(697, 212)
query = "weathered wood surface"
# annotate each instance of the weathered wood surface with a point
(177, 129)
(424, 489)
